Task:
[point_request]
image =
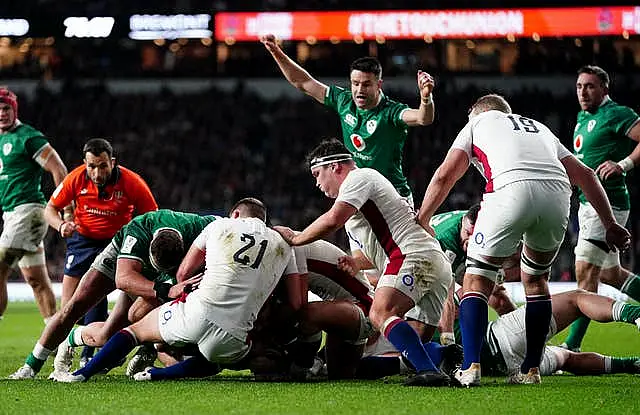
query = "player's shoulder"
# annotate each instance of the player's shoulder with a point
(390, 103)
(613, 109)
(79, 172)
(27, 131)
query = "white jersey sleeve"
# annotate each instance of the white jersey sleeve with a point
(292, 265)
(562, 150)
(201, 241)
(356, 189)
(464, 141)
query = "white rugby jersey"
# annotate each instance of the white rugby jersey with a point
(244, 260)
(385, 225)
(319, 260)
(507, 148)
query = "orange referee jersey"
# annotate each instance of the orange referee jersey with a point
(101, 217)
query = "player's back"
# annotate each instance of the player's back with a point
(244, 261)
(319, 259)
(510, 147)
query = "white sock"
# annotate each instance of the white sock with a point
(607, 364)
(40, 352)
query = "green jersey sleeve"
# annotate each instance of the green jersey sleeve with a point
(395, 114)
(336, 97)
(624, 118)
(34, 144)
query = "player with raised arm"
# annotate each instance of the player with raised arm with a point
(26, 153)
(244, 260)
(106, 196)
(529, 176)
(603, 140)
(135, 261)
(374, 127)
(416, 272)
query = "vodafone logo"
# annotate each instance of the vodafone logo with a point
(577, 142)
(358, 142)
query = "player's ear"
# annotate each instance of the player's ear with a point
(380, 81)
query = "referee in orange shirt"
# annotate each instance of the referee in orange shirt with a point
(106, 197)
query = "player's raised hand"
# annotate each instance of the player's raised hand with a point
(269, 41)
(618, 237)
(426, 83)
(287, 233)
(609, 169)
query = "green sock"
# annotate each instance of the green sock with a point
(577, 331)
(35, 363)
(624, 312)
(625, 365)
(631, 287)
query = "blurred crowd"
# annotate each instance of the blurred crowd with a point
(201, 152)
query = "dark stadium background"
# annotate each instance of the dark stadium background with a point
(206, 122)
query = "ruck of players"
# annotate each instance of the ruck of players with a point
(410, 296)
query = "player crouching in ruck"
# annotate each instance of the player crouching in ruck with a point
(416, 272)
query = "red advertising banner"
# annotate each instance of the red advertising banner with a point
(440, 24)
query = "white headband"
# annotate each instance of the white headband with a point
(333, 158)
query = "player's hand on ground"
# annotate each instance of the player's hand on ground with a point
(177, 290)
(426, 83)
(287, 233)
(609, 169)
(348, 264)
(269, 41)
(68, 228)
(618, 237)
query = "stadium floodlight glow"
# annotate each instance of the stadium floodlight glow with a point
(175, 26)
(14, 27)
(97, 27)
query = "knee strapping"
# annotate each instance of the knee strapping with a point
(592, 253)
(480, 267)
(532, 267)
(32, 259)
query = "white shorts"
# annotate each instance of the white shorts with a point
(182, 323)
(591, 228)
(24, 228)
(380, 347)
(106, 261)
(510, 332)
(536, 211)
(426, 280)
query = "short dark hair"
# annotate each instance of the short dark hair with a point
(472, 213)
(490, 102)
(251, 208)
(367, 64)
(97, 146)
(327, 147)
(602, 75)
(166, 249)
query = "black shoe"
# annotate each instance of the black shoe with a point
(428, 378)
(451, 358)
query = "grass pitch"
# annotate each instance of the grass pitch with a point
(235, 393)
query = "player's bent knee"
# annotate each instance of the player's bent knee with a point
(32, 259)
(531, 267)
(477, 266)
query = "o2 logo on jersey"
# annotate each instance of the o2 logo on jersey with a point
(478, 238)
(577, 142)
(408, 280)
(358, 142)
(590, 125)
(166, 316)
(371, 126)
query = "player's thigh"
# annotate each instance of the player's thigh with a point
(500, 223)
(93, 287)
(550, 211)
(24, 228)
(147, 330)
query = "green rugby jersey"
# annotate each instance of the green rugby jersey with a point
(447, 228)
(20, 174)
(374, 137)
(134, 239)
(602, 136)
